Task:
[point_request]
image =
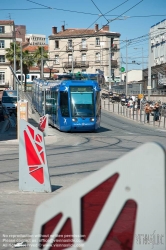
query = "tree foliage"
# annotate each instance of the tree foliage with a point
(28, 59)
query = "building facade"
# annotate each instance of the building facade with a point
(36, 39)
(84, 50)
(7, 36)
(157, 57)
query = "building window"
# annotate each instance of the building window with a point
(56, 44)
(2, 58)
(70, 57)
(83, 57)
(56, 59)
(83, 70)
(97, 57)
(2, 29)
(69, 44)
(83, 43)
(2, 44)
(97, 41)
(2, 78)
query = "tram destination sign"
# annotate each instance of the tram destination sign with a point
(81, 89)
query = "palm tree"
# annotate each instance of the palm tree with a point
(10, 55)
(27, 59)
(27, 62)
(39, 55)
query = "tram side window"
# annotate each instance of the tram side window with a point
(98, 104)
(64, 106)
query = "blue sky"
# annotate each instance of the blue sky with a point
(39, 16)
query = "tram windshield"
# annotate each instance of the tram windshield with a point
(82, 101)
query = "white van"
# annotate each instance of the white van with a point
(9, 99)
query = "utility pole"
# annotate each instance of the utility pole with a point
(21, 69)
(14, 82)
(126, 66)
(72, 60)
(41, 62)
(110, 64)
(149, 69)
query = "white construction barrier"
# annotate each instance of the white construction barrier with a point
(43, 124)
(33, 168)
(120, 207)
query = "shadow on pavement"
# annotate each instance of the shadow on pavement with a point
(54, 187)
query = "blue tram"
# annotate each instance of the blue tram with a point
(72, 105)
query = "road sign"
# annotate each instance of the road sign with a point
(122, 69)
(33, 168)
(122, 206)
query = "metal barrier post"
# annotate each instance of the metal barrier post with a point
(104, 104)
(133, 112)
(121, 110)
(140, 112)
(113, 107)
(164, 122)
(118, 108)
(153, 120)
(137, 114)
(144, 117)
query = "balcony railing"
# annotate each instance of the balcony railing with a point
(69, 48)
(76, 64)
(83, 47)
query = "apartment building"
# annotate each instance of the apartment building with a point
(157, 56)
(7, 29)
(36, 39)
(84, 50)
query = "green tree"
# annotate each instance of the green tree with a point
(27, 62)
(40, 55)
(10, 55)
(27, 59)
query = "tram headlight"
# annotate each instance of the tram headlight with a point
(74, 119)
(92, 119)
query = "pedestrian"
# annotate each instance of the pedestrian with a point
(130, 103)
(147, 111)
(156, 111)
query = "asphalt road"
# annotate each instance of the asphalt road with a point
(71, 157)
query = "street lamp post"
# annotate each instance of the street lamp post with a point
(142, 67)
(126, 67)
(14, 82)
(110, 65)
(21, 68)
(149, 68)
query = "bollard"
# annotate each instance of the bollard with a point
(109, 106)
(113, 107)
(164, 122)
(153, 121)
(136, 114)
(144, 117)
(121, 110)
(104, 104)
(118, 108)
(133, 112)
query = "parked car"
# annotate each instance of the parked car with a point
(104, 95)
(110, 93)
(115, 99)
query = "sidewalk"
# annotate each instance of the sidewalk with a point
(136, 115)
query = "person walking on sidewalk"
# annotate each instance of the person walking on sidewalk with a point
(156, 111)
(147, 111)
